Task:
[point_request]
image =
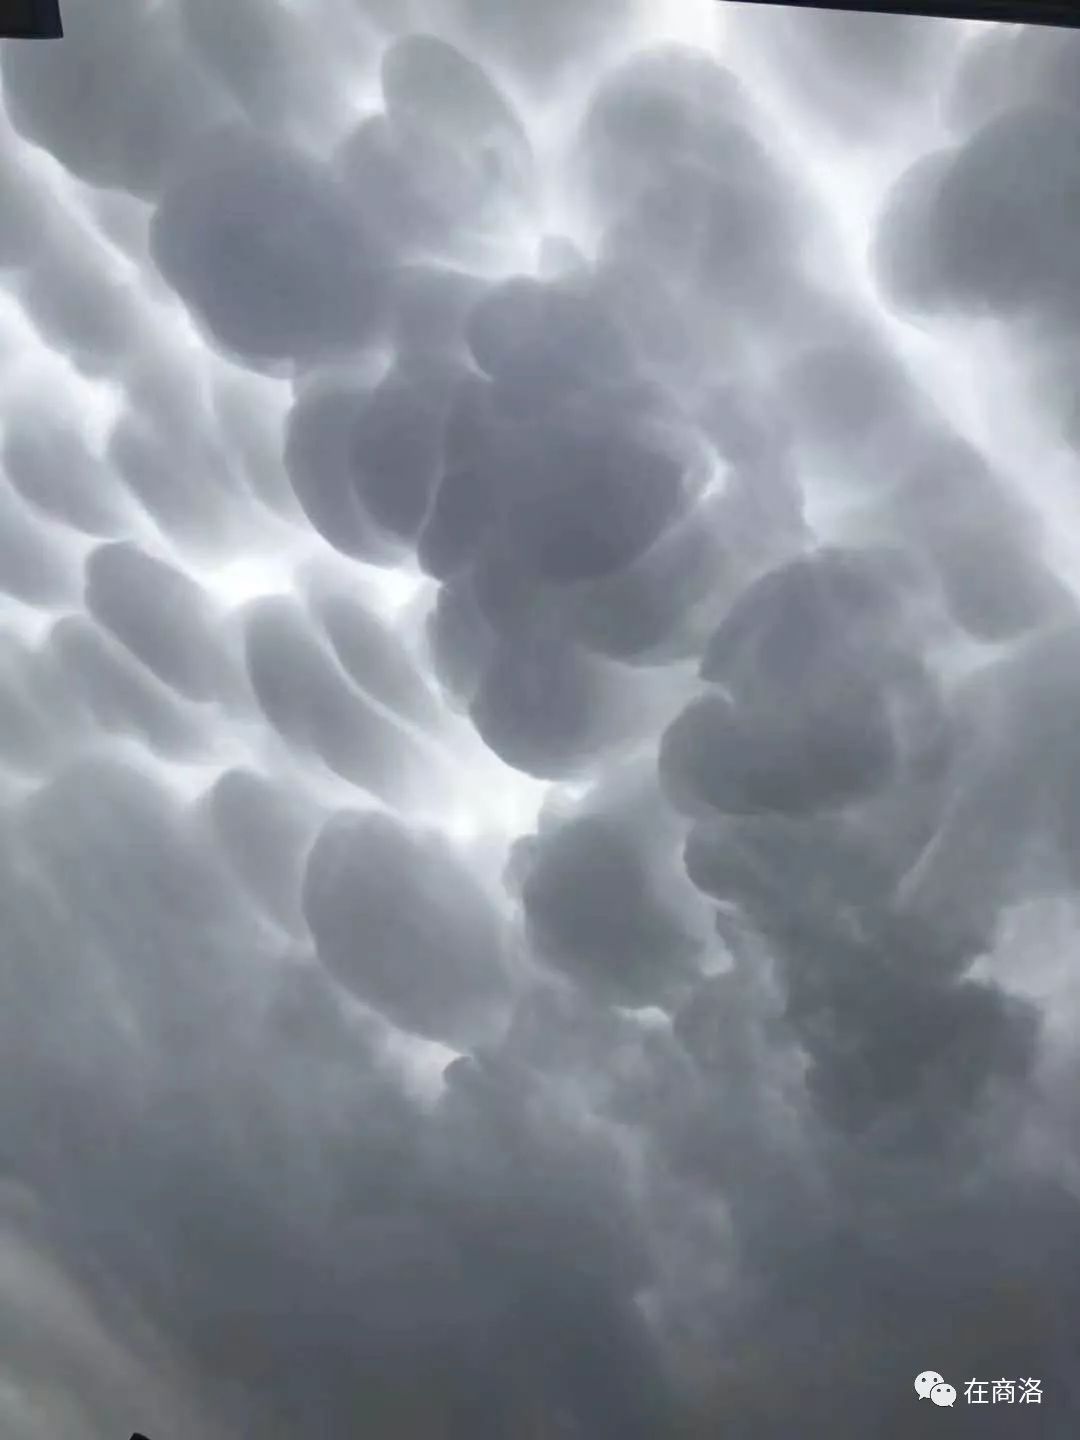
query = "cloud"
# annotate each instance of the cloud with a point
(665, 105)
(158, 613)
(542, 47)
(815, 698)
(591, 499)
(397, 444)
(592, 907)
(114, 691)
(127, 131)
(862, 74)
(264, 832)
(307, 697)
(537, 830)
(46, 461)
(320, 456)
(541, 343)
(269, 254)
(271, 65)
(983, 541)
(402, 924)
(372, 654)
(1020, 212)
(543, 706)
(32, 569)
(1006, 66)
(432, 305)
(445, 166)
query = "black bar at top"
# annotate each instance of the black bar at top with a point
(30, 20)
(1010, 12)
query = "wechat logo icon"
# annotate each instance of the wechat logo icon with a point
(925, 1382)
(933, 1387)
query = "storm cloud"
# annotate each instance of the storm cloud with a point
(539, 831)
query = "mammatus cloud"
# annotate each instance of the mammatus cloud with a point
(538, 842)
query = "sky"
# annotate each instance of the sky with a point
(539, 698)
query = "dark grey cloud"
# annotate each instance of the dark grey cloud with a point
(117, 693)
(397, 445)
(816, 696)
(544, 706)
(175, 475)
(460, 640)
(150, 101)
(986, 226)
(592, 497)
(401, 922)
(981, 228)
(308, 698)
(551, 1191)
(742, 426)
(595, 911)
(543, 342)
(52, 468)
(24, 214)
(248, 434)
(852, 412)
(405, 409)
(432, 85)
(826, 1334)
(908, 269)
(462, 515)
(983, 541)
(37, 724)
(649, 611)
(265, 833)
(159, 614)
(132, 892)
(446, 165)
(664, 105)
(844, 909)
(832, 606)
(438, 1244)
(31, 564)
(269, 253)
(431, 307)
(373, 657)
(698, 214)
(1008, 824)
(320, 456)
(716, 232)
(833, 750)
(82, 308)
(562, 496)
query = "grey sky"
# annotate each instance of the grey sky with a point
(539, 819)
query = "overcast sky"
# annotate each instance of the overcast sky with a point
(539, 722)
